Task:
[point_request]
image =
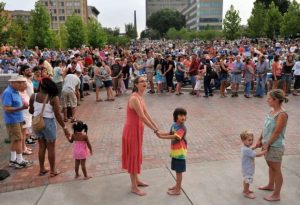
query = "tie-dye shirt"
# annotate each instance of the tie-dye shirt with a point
(178, 145)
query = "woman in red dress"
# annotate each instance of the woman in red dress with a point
(132, 139)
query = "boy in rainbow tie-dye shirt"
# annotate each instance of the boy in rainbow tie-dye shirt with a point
(178, 147)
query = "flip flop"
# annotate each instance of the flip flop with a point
(42, 173)
(54, 174)
(265, 188)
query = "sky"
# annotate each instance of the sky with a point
(117, 13)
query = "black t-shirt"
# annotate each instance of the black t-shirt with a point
(125, 71)
(171, 72)
(287, 69)
(115, 69)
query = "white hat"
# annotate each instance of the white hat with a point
(72, 56)
(17, 78)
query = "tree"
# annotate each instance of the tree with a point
(95, 34)
(112, 31)
(151, 34)
(231, 23)
(273, 21)
(3, 22)
(130, 31)
(290, 23)
(165, 19)
(17, 32)
(76, 31)
(256, 22)
(39, 33)
(283, 5)
(63, 36)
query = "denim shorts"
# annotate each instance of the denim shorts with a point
(236, 78)
(223, 77)
(49, 132)
(286, 77)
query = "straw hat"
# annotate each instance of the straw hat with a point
(17, 78)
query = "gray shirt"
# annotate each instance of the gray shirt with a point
(262, 68)
(248, 165)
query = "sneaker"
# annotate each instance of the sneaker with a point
(29, 141)
(12, 163)
(29, 162)
(211, 94)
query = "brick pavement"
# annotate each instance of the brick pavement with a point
(213, 127)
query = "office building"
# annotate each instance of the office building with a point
(20, 14)
(60, 10)
(201, 14)
(93, 13)
(153, 6)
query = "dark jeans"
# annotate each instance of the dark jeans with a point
(207, 87)
(126, 81)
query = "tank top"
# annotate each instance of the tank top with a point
(287, 69)
(48, 112)
(269, 127)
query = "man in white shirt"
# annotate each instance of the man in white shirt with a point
(70, 93)
(150, 71)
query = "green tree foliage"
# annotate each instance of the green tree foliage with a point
(39, 33)
(95, 34)
(118, 40)
(273, 21)
(165, 19)
(130, 31)
(63, 36)
(232, 24)
(291, 21)
(76, 31)
(3, 23)
(151, 34)
(256, 22)
(17, 33)
(184, 34)
(283, 5)
(112, 31)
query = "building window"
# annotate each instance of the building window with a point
(76, 3)
(46, 3)
(54, 11)
(77, 11)
(210, 20)
(62, 11)
(69, 3)
(62, 18)
(54, 18)
(62, 3)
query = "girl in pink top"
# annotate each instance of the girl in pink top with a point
(82, 147)
(276, 71)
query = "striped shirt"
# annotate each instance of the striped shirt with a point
(178, 145)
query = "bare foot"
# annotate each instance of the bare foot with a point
(138, 192)
(272, 198)
(266, 188)
(249, 195)
(172, 188)
(142, 184)
(173, 192)
(87, 177)
(77, 176)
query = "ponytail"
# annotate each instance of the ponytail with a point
(279, 95)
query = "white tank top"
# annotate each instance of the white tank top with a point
(48, 112)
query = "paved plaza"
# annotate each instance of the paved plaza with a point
(213, 173)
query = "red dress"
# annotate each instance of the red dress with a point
(132, 141)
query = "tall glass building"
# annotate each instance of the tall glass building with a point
(153, 6)
(201, 14)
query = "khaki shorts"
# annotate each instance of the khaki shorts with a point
(69, 99)
(274, 154)
(14, 131)
(116, 84)
(150, 77)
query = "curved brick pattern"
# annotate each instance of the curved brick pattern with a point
(213, 127)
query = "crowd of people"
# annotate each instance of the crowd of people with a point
(49, 79)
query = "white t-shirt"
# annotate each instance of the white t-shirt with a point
(71, 82)
(296, 68)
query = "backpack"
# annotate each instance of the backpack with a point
(3, 174)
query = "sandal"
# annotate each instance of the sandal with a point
(54, 174)
(99, 100)
(42, 173)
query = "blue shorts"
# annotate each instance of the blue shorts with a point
(236, 78)
(108, 83)
(223, 77)
(49, 132)
(178, 165)
(286, 77)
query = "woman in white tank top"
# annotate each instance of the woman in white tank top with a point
(47, 136)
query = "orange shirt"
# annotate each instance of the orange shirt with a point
(276, 69)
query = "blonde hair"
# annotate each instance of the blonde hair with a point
(278, 94)
(245, 134)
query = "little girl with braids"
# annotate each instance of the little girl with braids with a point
(82, 147)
